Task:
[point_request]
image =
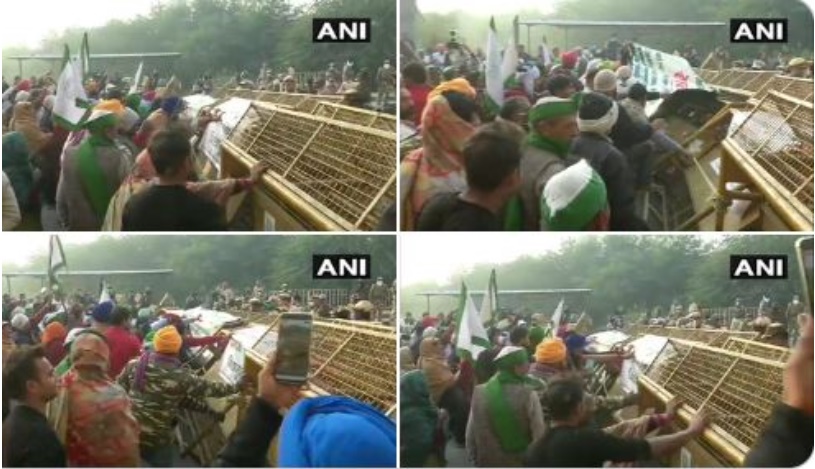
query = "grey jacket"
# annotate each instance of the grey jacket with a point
(537, 167)
(73, 205)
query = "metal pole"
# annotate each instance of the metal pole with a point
(528, 39)
(516, 30)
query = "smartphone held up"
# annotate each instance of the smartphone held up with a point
(293, 348)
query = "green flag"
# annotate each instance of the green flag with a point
(489, 306)
(66, 57)
(56, 260)
(85, 57)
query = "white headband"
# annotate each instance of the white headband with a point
(600, 125)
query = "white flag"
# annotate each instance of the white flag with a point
(104, 295)
(556, 318)
(493, 78)
(509, 64)
(471, 338)
(137, 79)
(69, 90)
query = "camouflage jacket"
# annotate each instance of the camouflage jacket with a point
(164, 389)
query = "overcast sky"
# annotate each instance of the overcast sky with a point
(435, 257)
(27, 25)
(18, 248)
(483, 8)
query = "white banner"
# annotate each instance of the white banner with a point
(629, 374)
(664, 73)
(216, 132)
(232, 362)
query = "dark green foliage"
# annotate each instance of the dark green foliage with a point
(433, 28)
(203, 261)
(636, 272)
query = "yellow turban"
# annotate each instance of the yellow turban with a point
(112, 105)
(551, 351)
(167, 341)
(459, 85)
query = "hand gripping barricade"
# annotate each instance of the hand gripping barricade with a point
(739, 390)
(325, 174)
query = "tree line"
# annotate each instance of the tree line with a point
(637, 273)
(224, 37)
(205, 261)
(433, 28)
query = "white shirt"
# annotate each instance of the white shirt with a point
(528, 79)
(11, 210)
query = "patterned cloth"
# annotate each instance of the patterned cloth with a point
(156, 384)
(25, 121)
(438, 166)
(92, 415)
(438, 375)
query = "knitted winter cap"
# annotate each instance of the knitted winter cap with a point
(605, 80)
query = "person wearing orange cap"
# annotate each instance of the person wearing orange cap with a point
(551, 362)
(550, 359)
(53, 338)
(156, 382)
(449, 120)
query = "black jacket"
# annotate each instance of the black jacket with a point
(607, 160)
(248, 446)
(785, 442)
(626, 133)
(29, 441)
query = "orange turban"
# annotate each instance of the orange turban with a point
(53, 331)
(459, 85)
(167, 341)
(112, 105)
(551, 351)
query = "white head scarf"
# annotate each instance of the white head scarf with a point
(601, 125)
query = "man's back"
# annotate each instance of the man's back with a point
(612, 166)
(447, 212)
(171, 208)
(124, 346)
(537, 167)
(583, 447)
(483, 444)
(627, 132)
(158, 393)
(74, 206)
(29, 441)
